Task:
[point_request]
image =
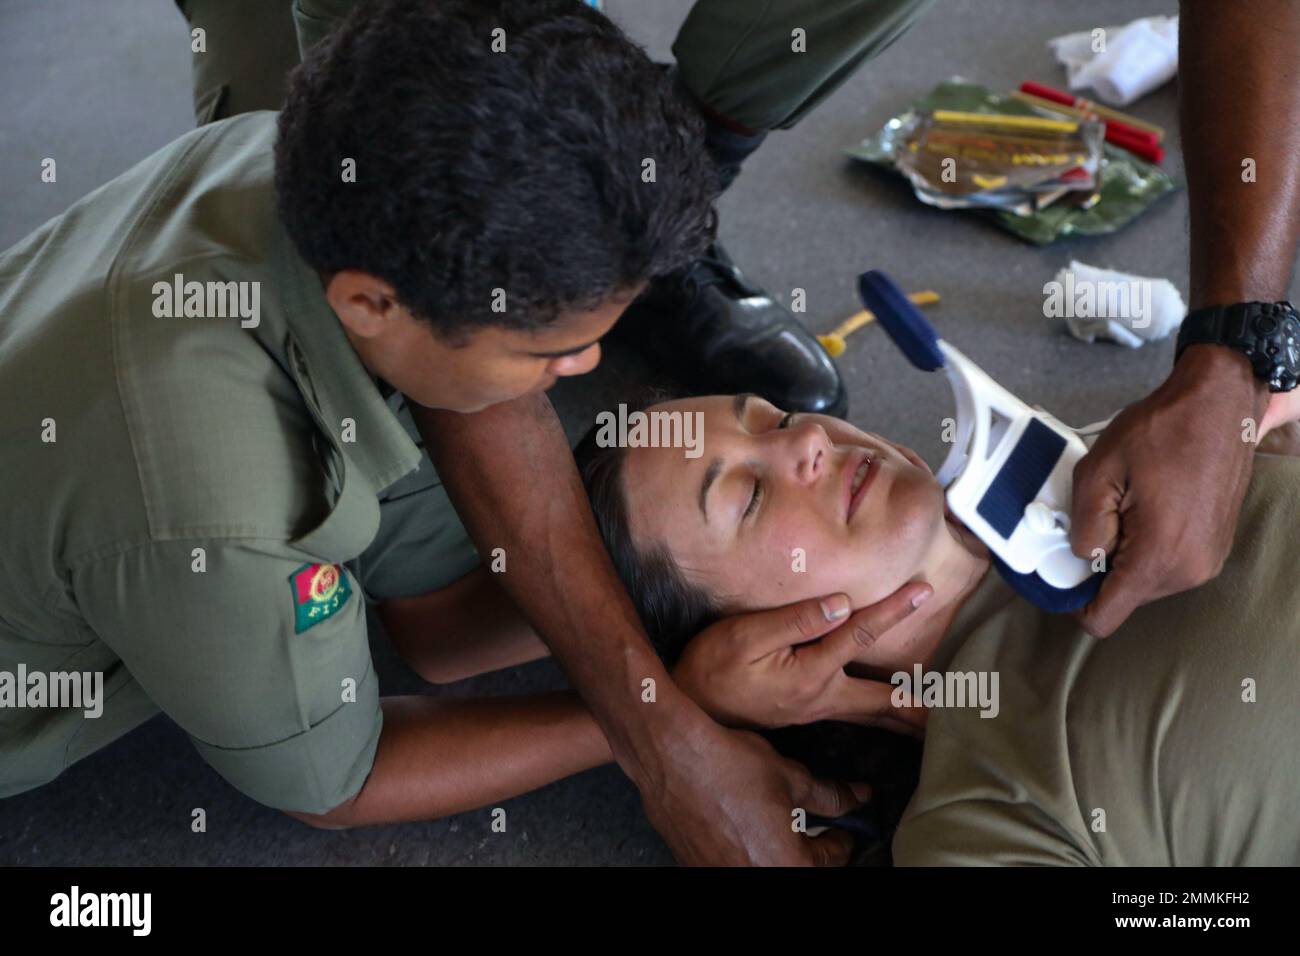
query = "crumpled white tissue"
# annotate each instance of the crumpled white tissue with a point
(1138, 58)
(1125, 308)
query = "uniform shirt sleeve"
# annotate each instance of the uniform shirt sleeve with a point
(276, 689)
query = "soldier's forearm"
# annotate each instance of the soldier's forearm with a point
(469, 627)
(440, 757)
(1239, 77)
(511, 474)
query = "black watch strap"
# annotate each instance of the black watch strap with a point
(1267, 333)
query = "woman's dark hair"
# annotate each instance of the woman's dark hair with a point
(672, 609)
(497, 145)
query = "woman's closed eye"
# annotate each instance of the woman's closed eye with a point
(756, 496)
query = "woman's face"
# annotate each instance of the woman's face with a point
(780, 507)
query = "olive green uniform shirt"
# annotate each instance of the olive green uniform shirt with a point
(196, 469)
(1143, 749)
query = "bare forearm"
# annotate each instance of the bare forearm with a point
(1240, 99)
(469, 627)
(439, 757)
(511, 474)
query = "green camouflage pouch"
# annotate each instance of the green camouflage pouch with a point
(1126, 184)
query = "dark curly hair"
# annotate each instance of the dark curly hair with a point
(478, 170)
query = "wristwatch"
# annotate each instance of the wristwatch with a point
(1267, 333)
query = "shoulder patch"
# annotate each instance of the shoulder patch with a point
(318, 591)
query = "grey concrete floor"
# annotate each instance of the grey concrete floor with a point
(99, 84)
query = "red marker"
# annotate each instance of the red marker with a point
(1127, 132)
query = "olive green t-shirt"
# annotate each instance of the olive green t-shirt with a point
(1175, 741)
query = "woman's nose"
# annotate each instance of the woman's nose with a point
(812, 448)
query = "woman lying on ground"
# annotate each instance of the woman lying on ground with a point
(1172, 742)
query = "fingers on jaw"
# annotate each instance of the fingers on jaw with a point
(807, 623)
(865, 634)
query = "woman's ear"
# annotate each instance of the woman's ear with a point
(364, 303)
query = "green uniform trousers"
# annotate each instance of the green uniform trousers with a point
(762, 63)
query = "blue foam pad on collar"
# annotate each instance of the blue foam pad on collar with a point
(1041, 594)
(1021, 478)
(909, 329)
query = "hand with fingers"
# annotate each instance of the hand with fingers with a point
(1160, 491)
(760, 795)
(785, 666)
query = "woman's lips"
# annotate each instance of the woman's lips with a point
(855, 497)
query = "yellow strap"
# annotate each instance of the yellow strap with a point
(833, 341)
(1001, 119)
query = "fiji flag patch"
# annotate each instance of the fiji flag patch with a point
(318, 591)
